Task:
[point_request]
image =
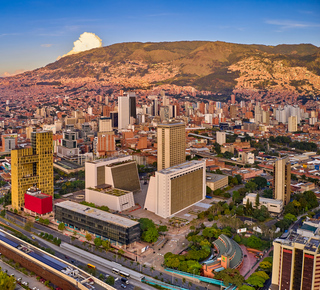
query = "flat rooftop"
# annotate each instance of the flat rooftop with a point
(181, 166)
(110, 190)
(97, 214)
(268, 200)
(171, 124)
(107, 159)
(68, 164)
(212, 177)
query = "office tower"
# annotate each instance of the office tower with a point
(124, 116)
(258, 114)
(164, 113)
(281, 180)
(155, 107)
(233, 111)
(292, 124)
(221, 137)
(115, 119)
(105, 124)
(32, 167)
(218, 105)
(266, 117)
(171, 145)
(296, 262)
(174, 189)
(132, 105)
(104, 144)
(165, 100)
(90, 111)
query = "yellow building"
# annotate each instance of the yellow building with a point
(32, 166)
(171, 145)
(281, 180)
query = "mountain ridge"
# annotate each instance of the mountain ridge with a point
(206, 65)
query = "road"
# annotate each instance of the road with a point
(169, 278)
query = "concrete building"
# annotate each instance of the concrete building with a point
(216, 181)
(114, 198)
(32, 167)
(296, 263)
(9, 142)
(173, 189)
(171, 140)
(119, 172)
(220, 137)
(281, 180)
(273, 205)
(117, 229)
(292, 124)
(104, 144)
(123, 117)
(246, 157)
(105, 125)
(36, 203)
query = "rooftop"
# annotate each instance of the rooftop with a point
(263, 199)
(97, 214)
(109, 190)
(181, 166)
(211, 177)
(107, 159)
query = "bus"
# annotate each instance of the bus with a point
(90, 266)
(125, 275)
(115, 271)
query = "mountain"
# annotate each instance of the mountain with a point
(204, 65)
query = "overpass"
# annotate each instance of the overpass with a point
(210, 155)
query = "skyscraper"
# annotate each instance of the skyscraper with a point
(281, 180)
(221, 137)
(292, 124)
(124, 115)
(171, 144)
(32, 167)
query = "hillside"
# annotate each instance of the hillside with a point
(214, 66)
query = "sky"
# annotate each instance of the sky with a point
(35, 33)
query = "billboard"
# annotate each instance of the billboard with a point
(242, 230)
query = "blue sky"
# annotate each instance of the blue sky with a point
(34, 33)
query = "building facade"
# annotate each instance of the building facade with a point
(102, 224)
(296, 263)
(281, 180)
(273, 205)
(221, 137)
(171, 144)
(32, 167)
(173, 189)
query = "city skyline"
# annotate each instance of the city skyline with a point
(37, 33)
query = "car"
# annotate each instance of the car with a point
(115, 280)
(245, 256)
(123, 286)
(12, 275)
(19, 279)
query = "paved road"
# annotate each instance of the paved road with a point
(257, 265)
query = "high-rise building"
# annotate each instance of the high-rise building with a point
(281, 180)
(296, 262)
(124, 116)
(233, 99)
(221, 137)
(233, 111)
(171, 145)
(174, 189)
(132, 105)
(105, 124)
(32, 167)
(292, 124)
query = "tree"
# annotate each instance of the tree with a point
(230, 276)
(256, 281)
(150, 236)
(88, 237)
(251, 186)
(237, 239)
(97, 242)
(110, 280)
(262, 274)
(162, 229)
(265, 265)
(246, 287)
(61, 226)
(290, 217)
(3, 213)
(7, 282)
(254, 242)
(145, 224)
(261, 182)
(257, 200)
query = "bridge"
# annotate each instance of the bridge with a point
(210, 155)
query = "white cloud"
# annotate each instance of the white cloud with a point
(289, 24)
(18, 71)
(46, 45)
(86, 41)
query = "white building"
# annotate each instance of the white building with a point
(273, 205)
(176, 188)
(221, 137)
(123, 117)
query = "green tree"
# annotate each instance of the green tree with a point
(256, 281)
(61, 226)
(97, 242)
(246, 287)
(251, 186)
(230, 276)
(261, 182)
(254, 242)
(262, 274)
(162, 229)
(110, 280)
(145, 224)
(150, 236)
(265, 265)
(257, 200)
(290, 217)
